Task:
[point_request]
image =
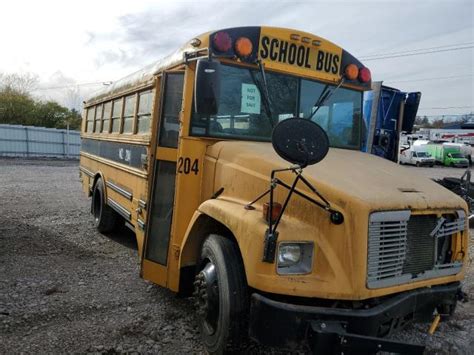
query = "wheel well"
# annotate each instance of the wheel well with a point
(98, 176)
(203, 226)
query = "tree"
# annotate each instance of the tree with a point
(74, 120)
(17, 106)
(20, 83)
(422, 122)
(50, 114)
(439, 123)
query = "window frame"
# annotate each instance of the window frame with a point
(152, 92)
(163, 102)
(108, 118)
(86, 128)
(119, 118)
(133, 115)
(98, 121)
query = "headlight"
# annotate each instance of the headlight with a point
(295, 258)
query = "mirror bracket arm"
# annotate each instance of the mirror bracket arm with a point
(271, 234)
(192, 56)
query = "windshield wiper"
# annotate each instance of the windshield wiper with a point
(263, 88)
(324, 96)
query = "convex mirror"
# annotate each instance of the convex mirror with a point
(300, 141)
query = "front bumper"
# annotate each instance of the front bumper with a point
(324, 329)
(426, 163)
(461, 164)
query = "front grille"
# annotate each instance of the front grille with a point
(420, 244)
(404, 247)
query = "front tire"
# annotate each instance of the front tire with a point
(105, 218)
(221, 295)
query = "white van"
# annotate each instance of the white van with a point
(416, 156)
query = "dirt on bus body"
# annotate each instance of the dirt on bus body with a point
(64, 287)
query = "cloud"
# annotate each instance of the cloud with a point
(158, 30)
(118, 38)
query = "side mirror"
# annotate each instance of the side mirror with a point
(300, 141)
(207, 87)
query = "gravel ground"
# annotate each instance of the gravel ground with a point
(66, 288)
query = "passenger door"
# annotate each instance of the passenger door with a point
(162, 181)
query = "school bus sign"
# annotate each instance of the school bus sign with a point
(309, 56)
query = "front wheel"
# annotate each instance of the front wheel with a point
(221, 296)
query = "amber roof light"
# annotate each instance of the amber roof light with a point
(351, 71)
(243, 47)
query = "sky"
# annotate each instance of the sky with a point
(76, 46)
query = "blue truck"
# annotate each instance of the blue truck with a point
(387, 112)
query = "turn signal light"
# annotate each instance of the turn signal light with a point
(243, 47)
(351, 71)
(276, 210)
(364, 75)
(222, 41)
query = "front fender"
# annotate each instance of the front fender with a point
(248, 228)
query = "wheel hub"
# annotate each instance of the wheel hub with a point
(206, 294)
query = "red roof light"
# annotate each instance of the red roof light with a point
(364, 75)
(222, 41)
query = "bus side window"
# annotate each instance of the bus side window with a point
(116, 115)
(173, 96)
(98, 118)
(106, 117)
(129, 113)
(145, 100)
(90, 119)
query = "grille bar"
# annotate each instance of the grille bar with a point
(451, 227)
(386, 254)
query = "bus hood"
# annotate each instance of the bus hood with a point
(243, 170)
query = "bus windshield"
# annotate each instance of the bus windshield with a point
(244, 114)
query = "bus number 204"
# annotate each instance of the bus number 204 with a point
(186, 167)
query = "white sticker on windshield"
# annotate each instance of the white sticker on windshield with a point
(250, 99)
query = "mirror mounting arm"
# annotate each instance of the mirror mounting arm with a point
(271, 234)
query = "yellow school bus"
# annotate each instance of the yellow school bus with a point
(332, 256)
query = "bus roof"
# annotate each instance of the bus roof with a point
(144, 77)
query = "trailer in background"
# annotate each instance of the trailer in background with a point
(388, 112)
(449, 135)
